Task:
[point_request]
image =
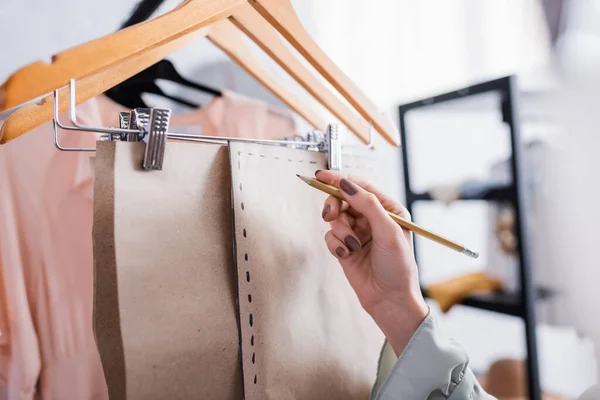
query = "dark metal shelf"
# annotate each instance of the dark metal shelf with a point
(499, 193)
(522, 302)
(502, 302)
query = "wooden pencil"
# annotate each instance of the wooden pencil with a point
(410, 226)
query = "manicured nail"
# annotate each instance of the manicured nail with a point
(326, 209)
(317, 171)
(348, 187)
(340, 252)
(352, 243)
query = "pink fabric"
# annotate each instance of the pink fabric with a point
(46, 263)
(46, 266)
(234, 115)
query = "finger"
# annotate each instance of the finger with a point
(334, 177)
(362, 229)
(329, 177)
(359, 225)
(367, 204)
(336, 247)
(342, 230)
(332, 208)
(349, 218)
(351, 211)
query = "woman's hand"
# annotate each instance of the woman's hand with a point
(376, 255)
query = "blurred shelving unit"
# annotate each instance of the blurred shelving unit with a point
(522, 302)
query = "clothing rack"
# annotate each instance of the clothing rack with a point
(521, 303)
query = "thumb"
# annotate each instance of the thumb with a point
(366, 203)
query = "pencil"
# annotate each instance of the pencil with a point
(333, 191)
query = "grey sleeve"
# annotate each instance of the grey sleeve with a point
(592, 393)
(433, 366)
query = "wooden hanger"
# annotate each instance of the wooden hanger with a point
(31, 116)
(226, 36)
(258, 29)
(93, 57)
(40, 78)
(281, 14)
(223, 34)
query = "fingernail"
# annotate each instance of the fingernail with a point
(348, 187)
(326, 209)
(317, 171)
(340, 252)
(352, 243)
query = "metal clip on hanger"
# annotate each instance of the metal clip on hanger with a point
(151, 126)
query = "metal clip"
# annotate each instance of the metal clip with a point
(139, 120)
(318, 139)
(124, 120)
(157, 138)
(334, 147)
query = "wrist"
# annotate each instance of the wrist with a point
(399, 318)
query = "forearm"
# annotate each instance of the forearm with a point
(399, 319)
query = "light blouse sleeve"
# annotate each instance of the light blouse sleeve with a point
(433, 366)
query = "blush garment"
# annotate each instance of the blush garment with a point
(234, 115)
(46, 264)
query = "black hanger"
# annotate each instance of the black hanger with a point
(129, 93)
(166, 70)
(142, 11)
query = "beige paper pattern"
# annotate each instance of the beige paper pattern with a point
(304, 334)
(165, 313)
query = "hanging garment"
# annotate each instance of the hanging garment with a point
(46, 275)
(234, 115)
(229, 115)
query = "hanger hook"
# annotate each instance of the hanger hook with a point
(77, 126)
(56, 123)
(61, 148)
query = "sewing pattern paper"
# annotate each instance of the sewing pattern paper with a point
(304, 334)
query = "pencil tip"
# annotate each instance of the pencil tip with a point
(305, 179)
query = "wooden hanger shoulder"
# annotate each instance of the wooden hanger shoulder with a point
(225, 35)
(282, 16)
(265, 36)
(31, 116)
(102, 54)
(40, 78)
